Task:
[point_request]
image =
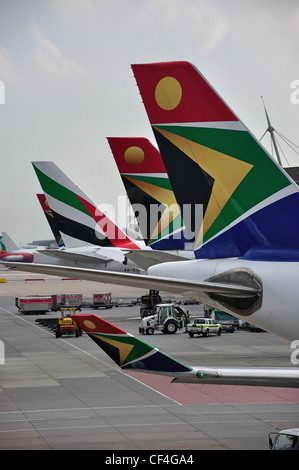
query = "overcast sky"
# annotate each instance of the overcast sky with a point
(68, 83)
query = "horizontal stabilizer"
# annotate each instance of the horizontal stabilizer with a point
(73, 256)
(147, 258)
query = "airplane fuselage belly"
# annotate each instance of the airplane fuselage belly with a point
(279, 309)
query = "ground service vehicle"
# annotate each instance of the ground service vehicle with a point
(203, 326)
(166, 319)
(102, 300)
(148, 303)
(287, 439)
(66, 325)
(34, 304)
(227, 321)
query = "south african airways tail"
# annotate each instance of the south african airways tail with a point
(249, 203)
(150, 193)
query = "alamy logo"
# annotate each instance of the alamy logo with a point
(2, 92)
(295, 353)
(158, 220)
(295, 93)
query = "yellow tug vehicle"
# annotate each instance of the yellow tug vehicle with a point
(65, 324)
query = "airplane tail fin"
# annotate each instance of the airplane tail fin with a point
(150, 193)
(249, 203)
(50, 219)
(9, 251)
(7, 244)
(126, 350)
(75, 214)
(2, 246)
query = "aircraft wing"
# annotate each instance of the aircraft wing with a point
(178, 286)
(98, 255)
(130, 353)
(71, 256)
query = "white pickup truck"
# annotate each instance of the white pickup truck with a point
(203, 326)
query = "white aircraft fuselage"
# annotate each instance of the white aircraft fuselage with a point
(279, 309)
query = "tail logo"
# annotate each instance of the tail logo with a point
(215, 155)
(89, 324)
(123, 349)
(2, 246)
(220, 167)
(117, 350)
(134, 155)
(168, 93)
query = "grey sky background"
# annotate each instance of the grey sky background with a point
(69, 85)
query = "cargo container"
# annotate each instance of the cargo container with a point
(66, 300)
(102, 300)
(34, 304)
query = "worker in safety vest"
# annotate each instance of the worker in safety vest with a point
(187, 320)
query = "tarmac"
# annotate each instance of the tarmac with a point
(67, 394)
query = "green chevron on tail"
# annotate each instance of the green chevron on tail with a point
(150, 193)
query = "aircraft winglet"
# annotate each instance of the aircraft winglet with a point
(130, 353)
(126, 350)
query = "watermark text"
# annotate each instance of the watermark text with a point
(295, 354)
(155, 221)
(295, 93)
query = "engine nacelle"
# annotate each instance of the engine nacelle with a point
(21, 257)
